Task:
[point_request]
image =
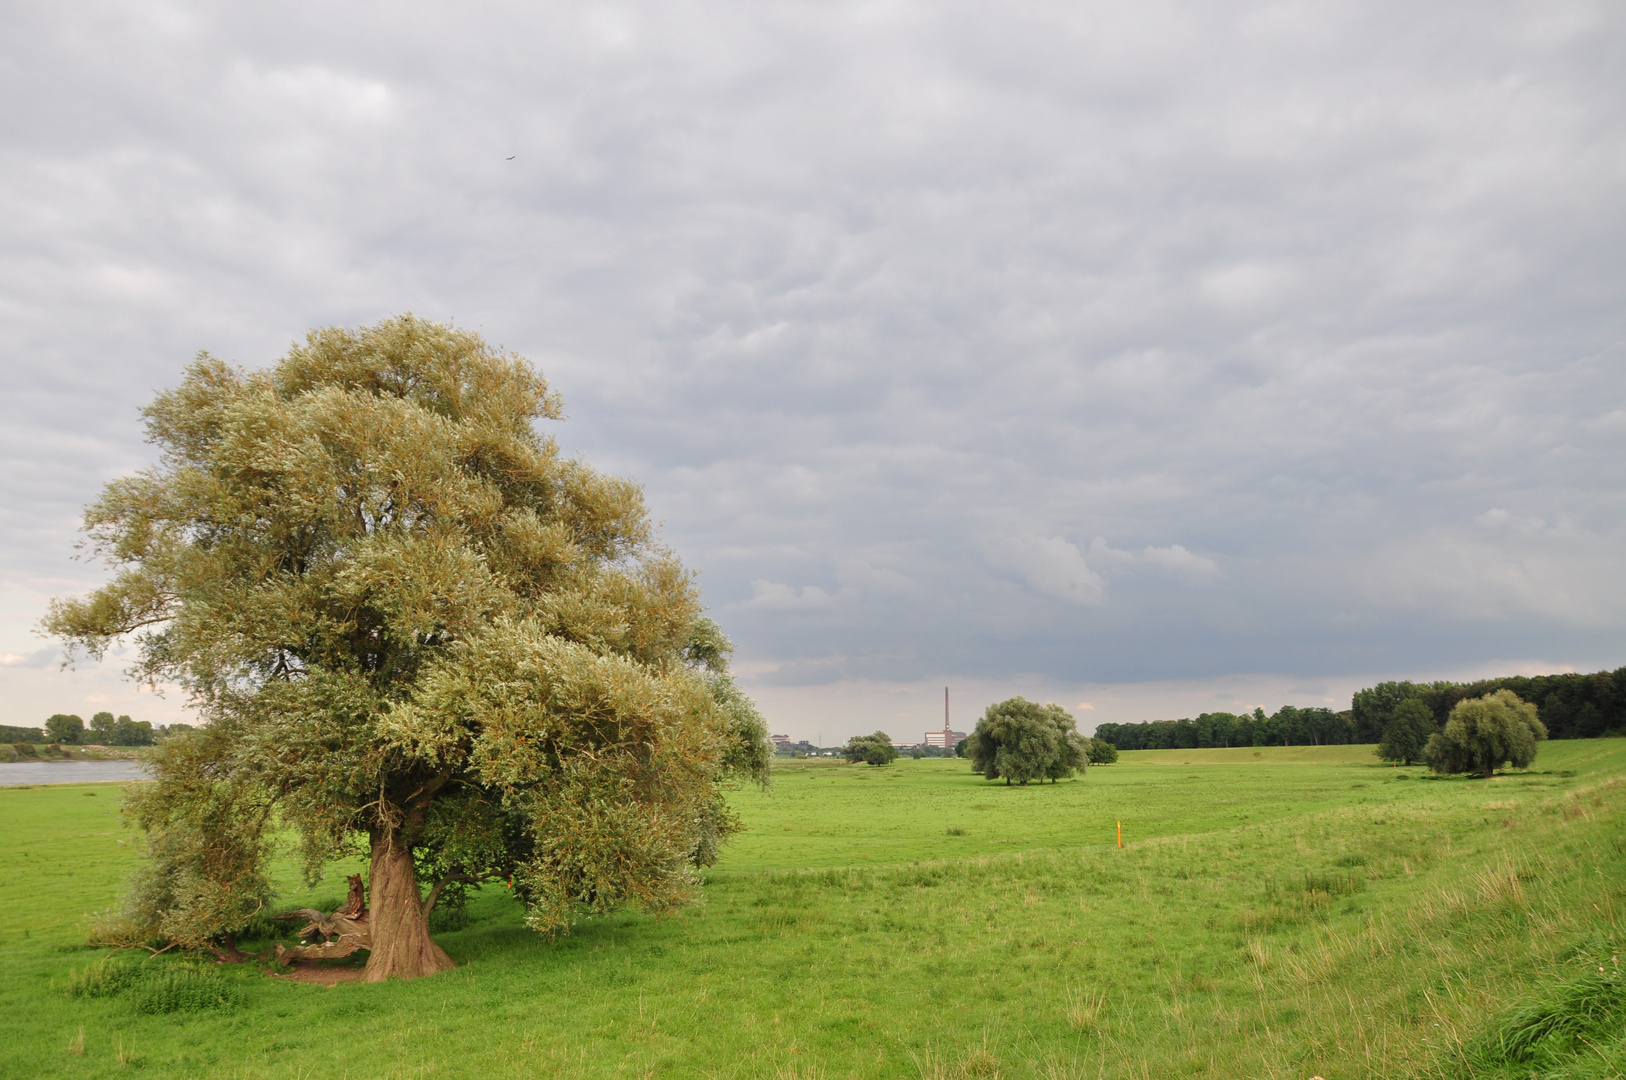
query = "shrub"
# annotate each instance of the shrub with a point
(155, 987)
(876, 749)
(1101, 752)
(184, 988)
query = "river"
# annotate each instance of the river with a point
(13, 773)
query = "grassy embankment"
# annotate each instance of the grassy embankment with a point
(1303, 912)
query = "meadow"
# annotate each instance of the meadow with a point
(1275, 913)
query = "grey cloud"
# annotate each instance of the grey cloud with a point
(1051, 566)
(1311, 315)
(858, 574)
(772, 596)
(1173, 559)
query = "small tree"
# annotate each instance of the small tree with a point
(101, 728)
(1407, 733)
(1022, 741)
(128, 732)
(64, 728)
(1101, 752)
(876, 749)
(1482, 734)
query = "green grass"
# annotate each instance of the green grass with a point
(1246, 755)
(1303, 912)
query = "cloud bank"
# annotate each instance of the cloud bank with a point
(1084, 343)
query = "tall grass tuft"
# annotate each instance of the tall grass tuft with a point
(1582, 1014)
(108, 977)
(975, 1063)
(1084, 1011)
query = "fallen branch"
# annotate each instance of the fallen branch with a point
(340, 933)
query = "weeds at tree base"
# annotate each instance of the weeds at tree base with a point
(188, 986)
(185, 989)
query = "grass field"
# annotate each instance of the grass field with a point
(1278, 913)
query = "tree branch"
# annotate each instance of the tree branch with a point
(421, 798)
(434, 894)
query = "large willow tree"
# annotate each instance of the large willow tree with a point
(413, 627)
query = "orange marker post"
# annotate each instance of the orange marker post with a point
(1120, 834)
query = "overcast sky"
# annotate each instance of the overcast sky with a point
(1148, 357)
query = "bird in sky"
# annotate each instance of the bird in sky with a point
(511, 157)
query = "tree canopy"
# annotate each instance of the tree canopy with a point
(412, 627)
(1572, 704)
(1485, 733)
(64, 728)
(1288, 725)
(1022, 741)
(107, 730)
(1407, 732)
(876, 749)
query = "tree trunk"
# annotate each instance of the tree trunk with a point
(401, 945)
(227, 951)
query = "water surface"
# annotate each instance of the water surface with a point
(13, 773)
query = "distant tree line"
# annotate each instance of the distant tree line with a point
(1287, 726)
(1571, 706)
(104, 729)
